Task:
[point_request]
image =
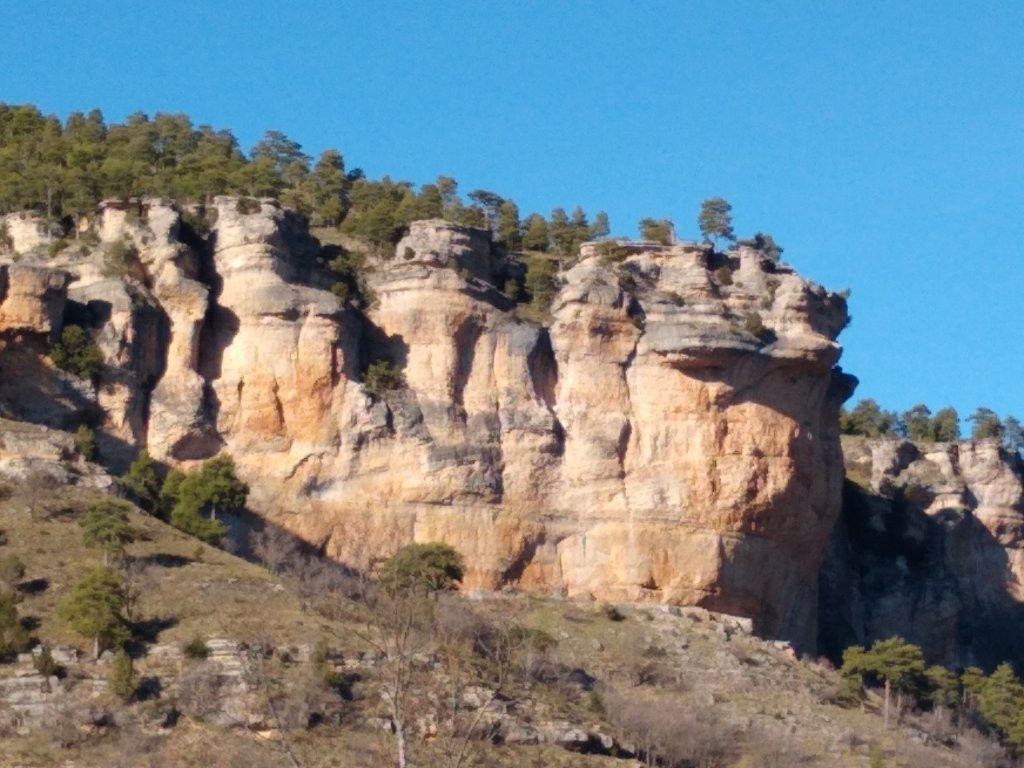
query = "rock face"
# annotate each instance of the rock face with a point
(670, 435)
(930, 547)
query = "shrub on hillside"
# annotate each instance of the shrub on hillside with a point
(196, 649)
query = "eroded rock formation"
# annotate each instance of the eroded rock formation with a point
(930, 546)
(670, 435)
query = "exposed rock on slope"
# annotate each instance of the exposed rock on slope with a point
(671, 436)
(931, 547)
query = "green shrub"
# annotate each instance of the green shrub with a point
(675, 298)
(77, 353)
(121, 681)
(347, 267)
(247, 205)
(44, 663)
(196, 649)
(610, 252)
(540, 283)
(56, 247)
(14, 638)
(428, 567)
(382, 377)
(214, 488)
(142, 480)
(120, 260)
(724, 275)
(12, 569)
(85, 442)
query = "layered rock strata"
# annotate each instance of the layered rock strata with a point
(930, 546)
(670, 435)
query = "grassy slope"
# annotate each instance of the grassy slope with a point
(190, 589)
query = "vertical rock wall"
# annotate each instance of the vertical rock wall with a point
(670, 436)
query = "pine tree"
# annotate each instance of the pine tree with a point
(95, 608)
(105, 525)
(715, 220)
(121, 681)
(535, 237)
(656, 230)
(986, 424)
(14, 638)
(918, 423)
(142, 480)
(508, 225)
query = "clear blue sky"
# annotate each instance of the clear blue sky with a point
(881, 143)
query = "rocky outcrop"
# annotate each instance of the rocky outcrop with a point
(668, 436)
(930, 547)
(31, 299)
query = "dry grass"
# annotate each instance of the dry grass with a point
(779, 704)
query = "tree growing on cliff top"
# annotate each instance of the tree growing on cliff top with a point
(868, 419)
(985, 423)
(657, 230)
(715, 220)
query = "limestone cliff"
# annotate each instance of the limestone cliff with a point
(930, 546)
(669, 436)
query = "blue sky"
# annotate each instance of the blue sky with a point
(881, 143)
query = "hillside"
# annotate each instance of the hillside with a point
(592, 684)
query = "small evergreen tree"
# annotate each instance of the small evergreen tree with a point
(382, 377)
(121, 681)
(14, 638)
(600, 227)
(422, 568)
(143, 482)
(85, 442)
(12, 569)
(77, 353)
(105, 525)
(918, 423)
(95, 608)
(535, 236)
(946, 426)
(44, 663)
(867, 419)
(897, 664)
(656, 230)
(508, 225)
(194, 500)
(986, 424)
(715, 220)
(1013, 435)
